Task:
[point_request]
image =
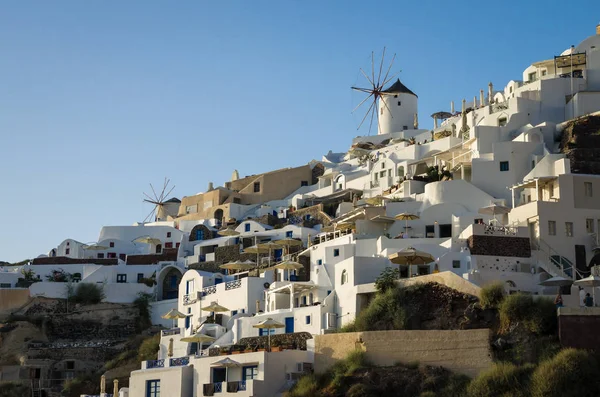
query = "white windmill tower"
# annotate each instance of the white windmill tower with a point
(395, 108)
(163, 208)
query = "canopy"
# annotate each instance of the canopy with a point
(173, 314)
(198, 338)
(494, 210)
(226, 363)
(411, 256)
(269, 245)
(256, 249)
(147, 240)
(556, 282)
(591, 281)
(289, 242)
(215, 307)
(228, 232)
(288, 265)
(237, 265)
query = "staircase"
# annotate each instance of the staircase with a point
(550, 260)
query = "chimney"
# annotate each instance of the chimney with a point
(210, 187)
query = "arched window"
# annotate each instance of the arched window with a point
(401, 171)
(310, 298)
(344, 276)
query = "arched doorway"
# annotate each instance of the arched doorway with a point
(158, 248)
(168, 281)
(219, 216)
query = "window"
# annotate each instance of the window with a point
(552, 228)
(320, 261)
(404, 127)
(70, 364)
(289, 234)
(510, 90)
(344, 277)
(588, 189)
(247, 227)
(502, 121)
(5, 285)
(303, 183)
(589, 225)
(169, 245)
(336, 252)
(233, 313)
(237, 200)
(504, 166)
(307, 320)
(67, 251)
(569, 229)
(544, 72)
(249, 373)
(123, 257)
(100, 255)
(399, 103)
(68, 243)
(111, 244)
(111, 255)
(401, 171)
(532, 76)
(153, 388)
(396, 96)
(310, 298)
(140, 276)
(265, 332)
(445, 230)
(177, 245)
(121, 278)
(456, 264)
(256, 187)
(304, 300)
(381, 111)
(168, 234)
(429, 231)
(382, 174)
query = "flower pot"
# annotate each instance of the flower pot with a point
(276, 349)
(261, 350)
(235, 352)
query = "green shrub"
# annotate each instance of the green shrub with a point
(503, 379)
(492, 296)
(537, 315)
(387, 279)
(428, 394)
(384, 313)
(142, 303)
(10, 389)
(307, 386)
(88, 294)
(570, 373)
(362, 390)
(148, 350)
(455, 386)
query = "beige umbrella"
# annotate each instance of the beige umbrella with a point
(215, 307)
(170, 348)
(198, 338)
(173, 314)
(147, 240)
(289, 266)
(236, 265)
(405, 216)
(228, 232)
(226, 363)
(494, 210)
(410, 256)
(256, 249)
(289, 242)
(269, 324)
(115, 388)
(102, 384)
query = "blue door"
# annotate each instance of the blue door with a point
(289, 325)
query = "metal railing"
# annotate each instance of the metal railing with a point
(498, 107)
(179, 362)
(500, 230)
(172, 331)
(209, 290)
(155, 364)
(233, 284)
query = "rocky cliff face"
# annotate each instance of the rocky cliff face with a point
(581, 144)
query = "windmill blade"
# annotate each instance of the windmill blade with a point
(388, 71)
(372, 113)
(391, 78)
(366, 114)
(370, 81)
(151, 202)
(155, 195)
(380, 67)
(373, 67)
(149, 198)
(150, 215)
(162, 192)
(365, 90)
(363, 101)
(386, 106)
(167, 195)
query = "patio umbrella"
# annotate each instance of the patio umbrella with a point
(405, 216)
(557, 281)
(173, 314)
(591, 281)
(147, 240)
(494, 210)
(289, 242)
(102, 384)
(289, 266)
(228, 232)
(198, 338)
(256, 249)
(269, 324)
(270, 245)
(226, 363)
(170, 348)
(410, 256)
(215, 307)
(236, 265)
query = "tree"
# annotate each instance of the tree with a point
(387, 279)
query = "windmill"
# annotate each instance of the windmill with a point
(375, 91)
(158, 200)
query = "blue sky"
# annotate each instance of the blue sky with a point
(99, 98)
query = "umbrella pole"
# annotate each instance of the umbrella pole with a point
(269, 338)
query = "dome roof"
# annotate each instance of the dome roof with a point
(399, 88)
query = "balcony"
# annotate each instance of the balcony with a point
(155, 364)
(169, 332)
(179, 362)
(210, 389)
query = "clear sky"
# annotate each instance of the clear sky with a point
(100, 98)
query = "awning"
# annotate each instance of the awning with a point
(530, 183)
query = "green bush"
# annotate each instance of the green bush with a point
(387, 279)
(570, 373)
(148, 350)
(503, 379)
(10, 389)
(492, 296)
(142, 303)
(537, 315)
(307, 386)
(362, 390)
(88, 294)
(455, 386)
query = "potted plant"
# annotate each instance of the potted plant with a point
(275, 346)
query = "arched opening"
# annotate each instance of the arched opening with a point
(310, 298)
(219, 216)
(400, 171)
(344, 277)
(170, 283)
(158, 248)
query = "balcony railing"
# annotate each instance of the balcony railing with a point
(233, 284)
(500, 230)
(188, 299)
(155, 364)
(209, 290)
(173, 331)
(179, 362)
(224, 387)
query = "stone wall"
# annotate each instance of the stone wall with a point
(465, 351)
(317, 216)
(578, 327)
(11, 299)
(581, 144)
(268, 219)
(317, 171)
(167, 255)
(295, 339)
(63, 260)
(499, 246)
